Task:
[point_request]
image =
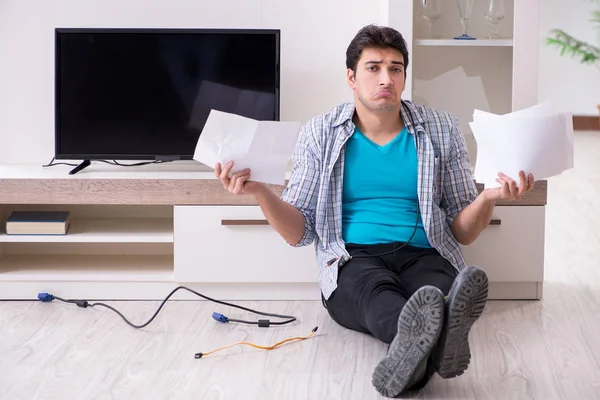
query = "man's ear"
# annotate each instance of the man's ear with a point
(350, 78)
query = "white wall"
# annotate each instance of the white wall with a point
(313, 53)
(314, 37)
(570, 85)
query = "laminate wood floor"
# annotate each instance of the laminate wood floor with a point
(547, 349)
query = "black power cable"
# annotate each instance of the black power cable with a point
(52, 163)
(263, 323)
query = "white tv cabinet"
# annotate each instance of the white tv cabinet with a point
(137, 233)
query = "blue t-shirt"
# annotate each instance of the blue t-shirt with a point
(380, 201)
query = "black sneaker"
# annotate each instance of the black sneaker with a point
(466, 301)
(419, 327)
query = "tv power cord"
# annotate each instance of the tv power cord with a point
(52, 163)
(262, 323)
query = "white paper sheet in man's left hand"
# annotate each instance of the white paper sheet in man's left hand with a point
(263, 146)
(536, 140)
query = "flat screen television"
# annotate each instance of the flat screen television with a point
(145, 94)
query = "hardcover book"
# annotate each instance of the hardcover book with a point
(38, 223)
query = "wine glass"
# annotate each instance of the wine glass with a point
(494, 13)
(465, 7)
(432, 10)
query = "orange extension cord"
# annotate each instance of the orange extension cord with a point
(200, 355)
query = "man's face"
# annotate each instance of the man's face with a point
(379, 80)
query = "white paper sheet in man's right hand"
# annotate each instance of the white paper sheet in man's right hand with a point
(263, 146)
(534, 140)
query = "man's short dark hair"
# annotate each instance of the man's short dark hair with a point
(375, 37)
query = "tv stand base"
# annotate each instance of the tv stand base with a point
(84, 164)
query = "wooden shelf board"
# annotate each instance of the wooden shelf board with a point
(104, 230)
(465, 43)
(154, 189)
(86, 268)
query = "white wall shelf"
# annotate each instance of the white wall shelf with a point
(465, 43)
(105, 230)
(458, 76)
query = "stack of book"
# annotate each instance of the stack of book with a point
(38, 223)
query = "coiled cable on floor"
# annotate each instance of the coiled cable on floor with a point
(263, 323)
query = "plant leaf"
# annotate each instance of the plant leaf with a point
(567, 44)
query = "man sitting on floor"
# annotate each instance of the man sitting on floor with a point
(383, 188)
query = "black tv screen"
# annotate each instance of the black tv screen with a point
(146, 93)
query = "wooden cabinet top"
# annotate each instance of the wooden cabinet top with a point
(155, 192)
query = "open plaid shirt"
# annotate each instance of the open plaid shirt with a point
(445, 182)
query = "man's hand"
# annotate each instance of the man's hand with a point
(238, 183)
(508, 190)
(283, 217)
(474, 218)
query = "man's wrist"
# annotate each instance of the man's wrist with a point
(261, 192)
(489, 196)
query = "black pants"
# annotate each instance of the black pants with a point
(372, 291)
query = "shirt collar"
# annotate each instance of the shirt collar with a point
(411, 116)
